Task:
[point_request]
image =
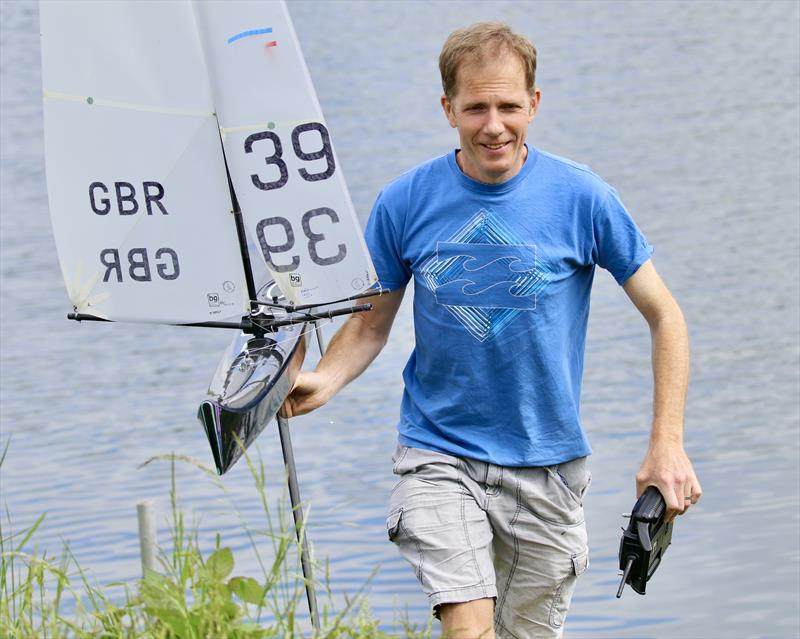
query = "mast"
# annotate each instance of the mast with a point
(236, 211)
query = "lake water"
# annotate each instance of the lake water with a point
(689, 108)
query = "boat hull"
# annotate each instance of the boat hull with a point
(253, 379)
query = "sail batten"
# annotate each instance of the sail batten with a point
(101, 102)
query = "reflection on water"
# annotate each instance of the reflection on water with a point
(690, 109)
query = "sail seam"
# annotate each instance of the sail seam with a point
(67, 97)
(264, 125)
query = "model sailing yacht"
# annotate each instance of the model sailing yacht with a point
(178, 143)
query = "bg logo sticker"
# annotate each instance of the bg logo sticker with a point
(213, 299)
(295, 279)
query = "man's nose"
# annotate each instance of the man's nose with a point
(494, 125)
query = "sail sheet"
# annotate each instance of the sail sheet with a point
(286, 175)
(138, 192)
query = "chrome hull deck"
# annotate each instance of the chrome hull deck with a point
(250, 385)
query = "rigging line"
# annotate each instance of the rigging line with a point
(130, 106)
(266, 327)
(370, 292)
(274, 323)
(289, 339)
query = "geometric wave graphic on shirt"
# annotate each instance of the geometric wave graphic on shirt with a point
(485, 276)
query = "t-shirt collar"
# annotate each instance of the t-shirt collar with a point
(500, 187)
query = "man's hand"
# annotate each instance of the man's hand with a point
(310, 391)
(667, 467)
(351, 350)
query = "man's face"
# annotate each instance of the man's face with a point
(491, 110)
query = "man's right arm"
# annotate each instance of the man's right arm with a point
(351, 350)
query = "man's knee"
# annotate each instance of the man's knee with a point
(468, 620)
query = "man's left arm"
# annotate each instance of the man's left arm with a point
(666, 465)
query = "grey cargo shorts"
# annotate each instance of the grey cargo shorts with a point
(473, 530)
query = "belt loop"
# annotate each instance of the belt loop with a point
(494, 476)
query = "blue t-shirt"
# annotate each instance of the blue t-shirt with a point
(502, 275)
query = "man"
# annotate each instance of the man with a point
(502, 240)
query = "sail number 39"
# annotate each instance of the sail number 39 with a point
(276, 158)
(335, 255)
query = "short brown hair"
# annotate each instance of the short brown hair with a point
(484, 37)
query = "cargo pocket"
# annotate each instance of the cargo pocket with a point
(563, 594)
(393, 523)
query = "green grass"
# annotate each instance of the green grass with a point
(194, 593)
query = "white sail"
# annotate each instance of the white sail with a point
(138, 192)
(286, 176)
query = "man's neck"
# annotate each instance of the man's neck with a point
(460, 163)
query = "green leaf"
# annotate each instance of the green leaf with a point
(171, 618)
(161, 593)
(247, 589)
(252, 631)
(156, 581)
(231, 611)
(29, 532)
(220, 563)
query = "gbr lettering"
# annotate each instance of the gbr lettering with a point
(136, 265)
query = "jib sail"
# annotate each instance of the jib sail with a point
(139, 198)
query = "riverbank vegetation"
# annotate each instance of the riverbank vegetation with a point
(194, 592)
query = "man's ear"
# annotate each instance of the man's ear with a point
(536, 99)
(447, 106)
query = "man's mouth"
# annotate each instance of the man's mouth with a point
(494, 147)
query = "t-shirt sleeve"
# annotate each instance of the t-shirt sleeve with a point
(619, 245)
(383, 242)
